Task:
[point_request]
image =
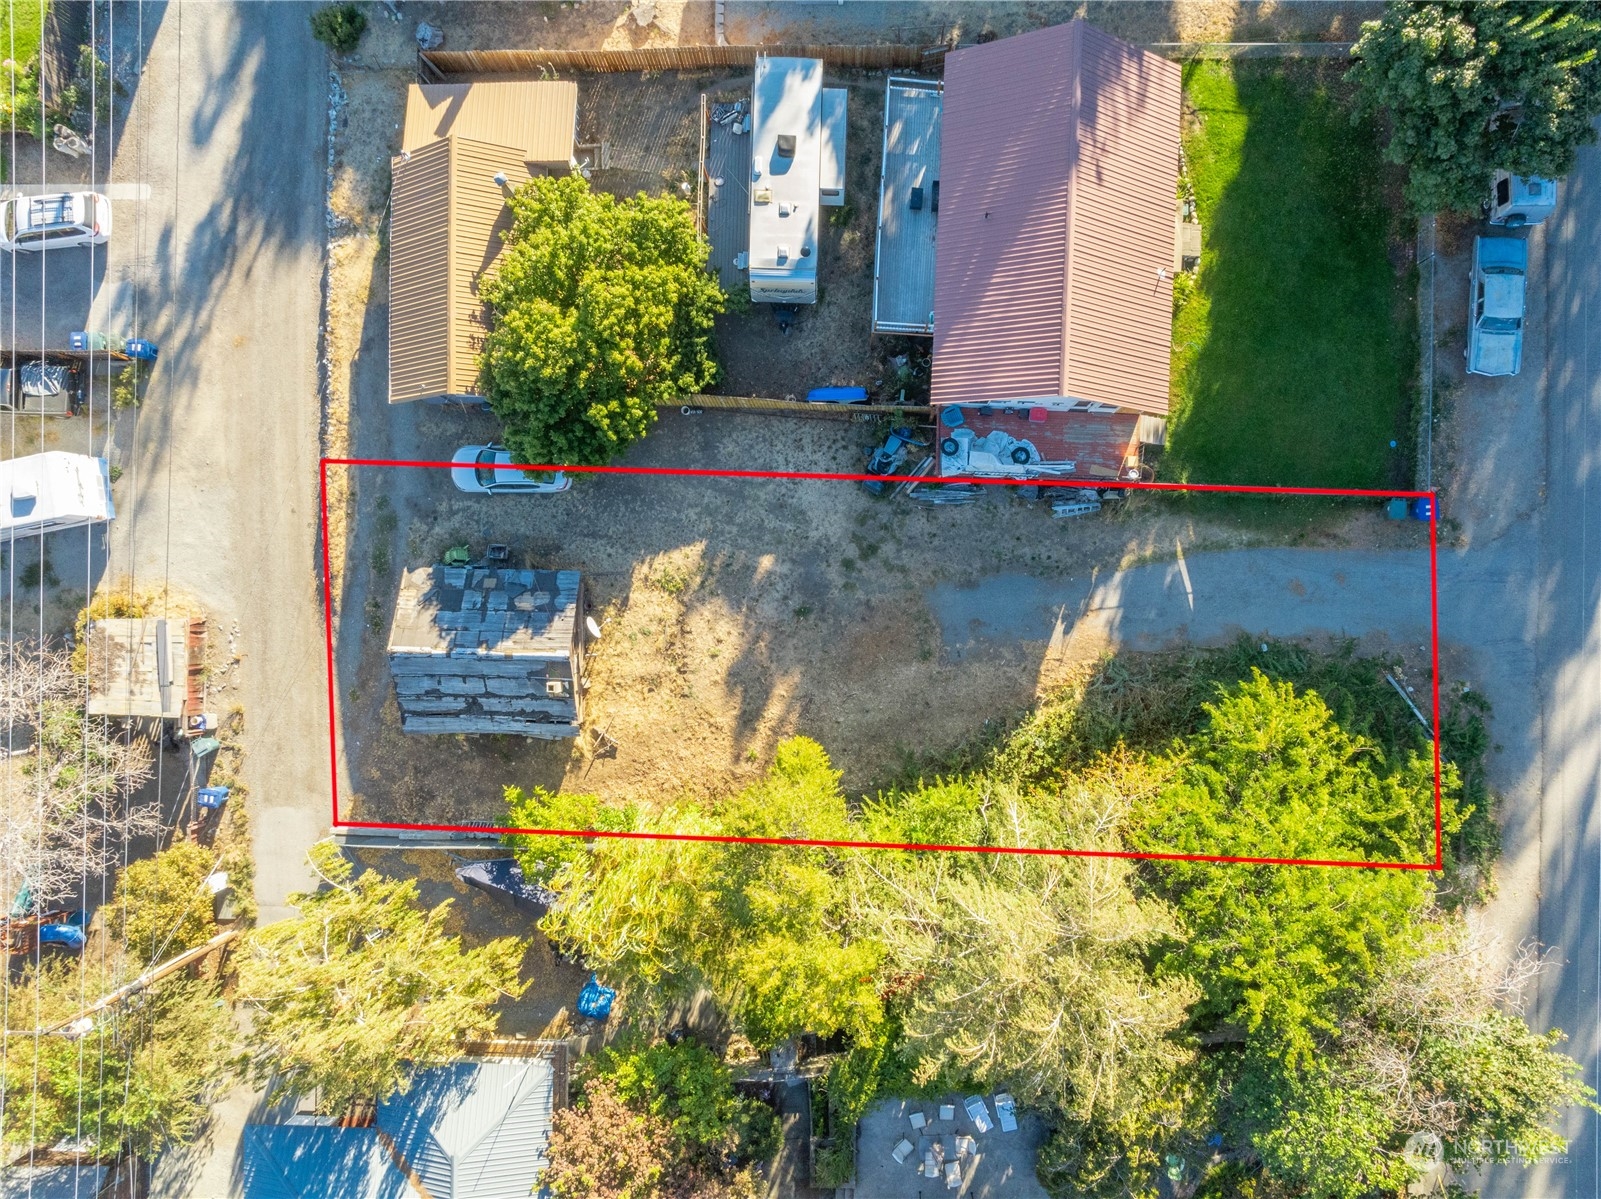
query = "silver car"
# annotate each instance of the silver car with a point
(1495, 304)
(488, 470)
(61, 220)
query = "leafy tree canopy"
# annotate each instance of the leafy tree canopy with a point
(601, 310)
(1472, 88)
(1280, 950)
(163, 906)
(1312, 1018)
(659, 1121)
(142, 1078)
(364, 985)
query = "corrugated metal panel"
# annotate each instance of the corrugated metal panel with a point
(289, 1161)
(507, 1163)
(540, 118)
(1059, 159)
(447, 215)
(479, 217)
(475, 1129)
(419, 275)
(1120, 310)
(1005, 163)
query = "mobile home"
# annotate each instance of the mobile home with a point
(46, 493)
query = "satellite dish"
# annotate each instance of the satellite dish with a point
(594, 629)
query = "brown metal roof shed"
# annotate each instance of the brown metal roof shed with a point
(446, 218)
(1059, 163)
(540, 118)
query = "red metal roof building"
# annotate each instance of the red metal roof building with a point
(1053, 277)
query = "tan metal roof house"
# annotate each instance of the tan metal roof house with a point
(1053, 275)
(538, 118)
(465, 148)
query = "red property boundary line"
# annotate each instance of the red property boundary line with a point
(804, 476)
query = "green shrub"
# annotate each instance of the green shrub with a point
(339, 27)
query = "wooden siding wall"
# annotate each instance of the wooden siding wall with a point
(443, 64)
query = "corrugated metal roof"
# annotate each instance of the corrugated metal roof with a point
(1059, 161)
(447, 216)
(540, 118)
(475, 1128)
(51, 1182)
(289, 1161)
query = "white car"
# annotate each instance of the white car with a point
(1495, 305)
(62, 220)
(488, 470)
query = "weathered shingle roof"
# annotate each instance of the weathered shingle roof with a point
(487, 651)
(1059, 162)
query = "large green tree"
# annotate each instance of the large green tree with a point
(763, 930)
(1312, 1017)
(601, 309)
(1281, 949)
(141, 1078)
(363, 985)
(1472, 88)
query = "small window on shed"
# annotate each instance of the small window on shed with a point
(786, 145)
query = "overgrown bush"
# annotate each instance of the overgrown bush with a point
(339, 27)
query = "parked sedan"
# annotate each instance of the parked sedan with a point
(1496, 301)
(488, 470)
(61, 220)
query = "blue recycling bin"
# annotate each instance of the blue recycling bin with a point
(211, 797)
(1423, 508)
(140, 349)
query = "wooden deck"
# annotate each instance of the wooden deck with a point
(903, 281)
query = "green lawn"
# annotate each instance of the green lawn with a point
(1293, 359)
(21, 29)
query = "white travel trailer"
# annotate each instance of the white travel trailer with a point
(46, 493)
(797, 164)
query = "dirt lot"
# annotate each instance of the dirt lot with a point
(735, 613)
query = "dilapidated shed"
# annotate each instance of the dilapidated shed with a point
(145, 666)
(480, 650)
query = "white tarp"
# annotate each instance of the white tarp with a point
(47, 492)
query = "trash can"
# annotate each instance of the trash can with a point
(83, 341)
(1423, 508)
(1396, 510)
(141, 349)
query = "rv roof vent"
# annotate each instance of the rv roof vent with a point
(806, 251)
(762, 195)
(786, 145)
(785, 209)
(783, 252)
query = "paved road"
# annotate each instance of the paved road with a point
(218, 494)
(1563, 610)
(1201, 598)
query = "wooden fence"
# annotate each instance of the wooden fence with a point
(802, 408)
(441, 64)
